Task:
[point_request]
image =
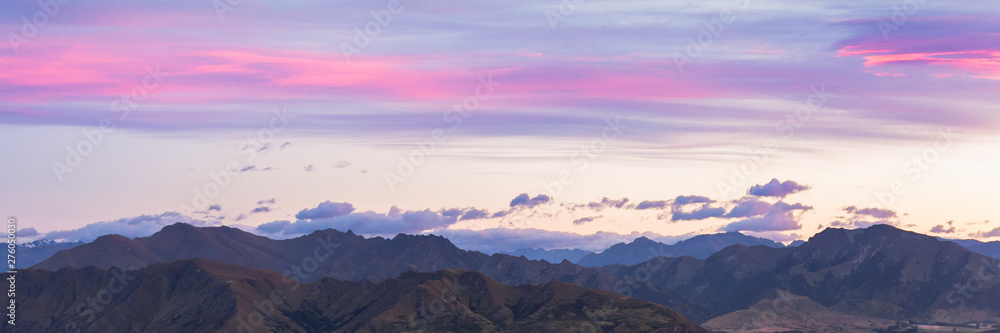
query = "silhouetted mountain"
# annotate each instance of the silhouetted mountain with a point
(553, 256)
(642, 249)
(880, 271)
(29, 254)
(349, 257)
(991, 249)
(198, 295)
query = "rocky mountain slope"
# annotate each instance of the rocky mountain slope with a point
(198, 295)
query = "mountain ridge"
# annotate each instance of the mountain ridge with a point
(880, 271)
(643, 248)
(202, 295)
(349, 257)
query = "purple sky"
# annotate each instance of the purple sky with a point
(468, 104)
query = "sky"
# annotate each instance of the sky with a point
(553, 124)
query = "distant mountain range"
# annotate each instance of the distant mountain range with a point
(553, 256)
(642, 249)
(991, 249)
(837, 277)
(29, 254)
(199, 295)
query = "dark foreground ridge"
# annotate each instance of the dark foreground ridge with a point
(349, 257)
(198, 295)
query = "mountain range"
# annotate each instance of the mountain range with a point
(348, 257)
(557, 255)
(642, 249)
(835, 278)
(29, 254)
(200, 295)
(990, 249)
(880, 272)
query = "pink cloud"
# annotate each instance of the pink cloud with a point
(960, 57)
(71, 70)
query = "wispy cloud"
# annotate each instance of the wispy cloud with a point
(138, 226)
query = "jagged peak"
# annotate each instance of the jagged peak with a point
(44, 242)
(643, 239)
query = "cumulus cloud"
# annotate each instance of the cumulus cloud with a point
(584, 220)
(776, 189)
(325, 210)
(748, 207)
(451, 212)
(468, 213)
(261, 209)
(991, 233)
(342, 164)
(678, 212)
(333, 216)
(217, 208)
(659, 204)
(776, 221)
(691, 199)
(866, 217)
(273, 227)
(262, 202)
(523, 200)
(701, 213)
(308, 168)
(873, 212)
(474, 214)
(942, 230)
(605, 203)
(285, 145)
(138, 226)
(781, 217)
